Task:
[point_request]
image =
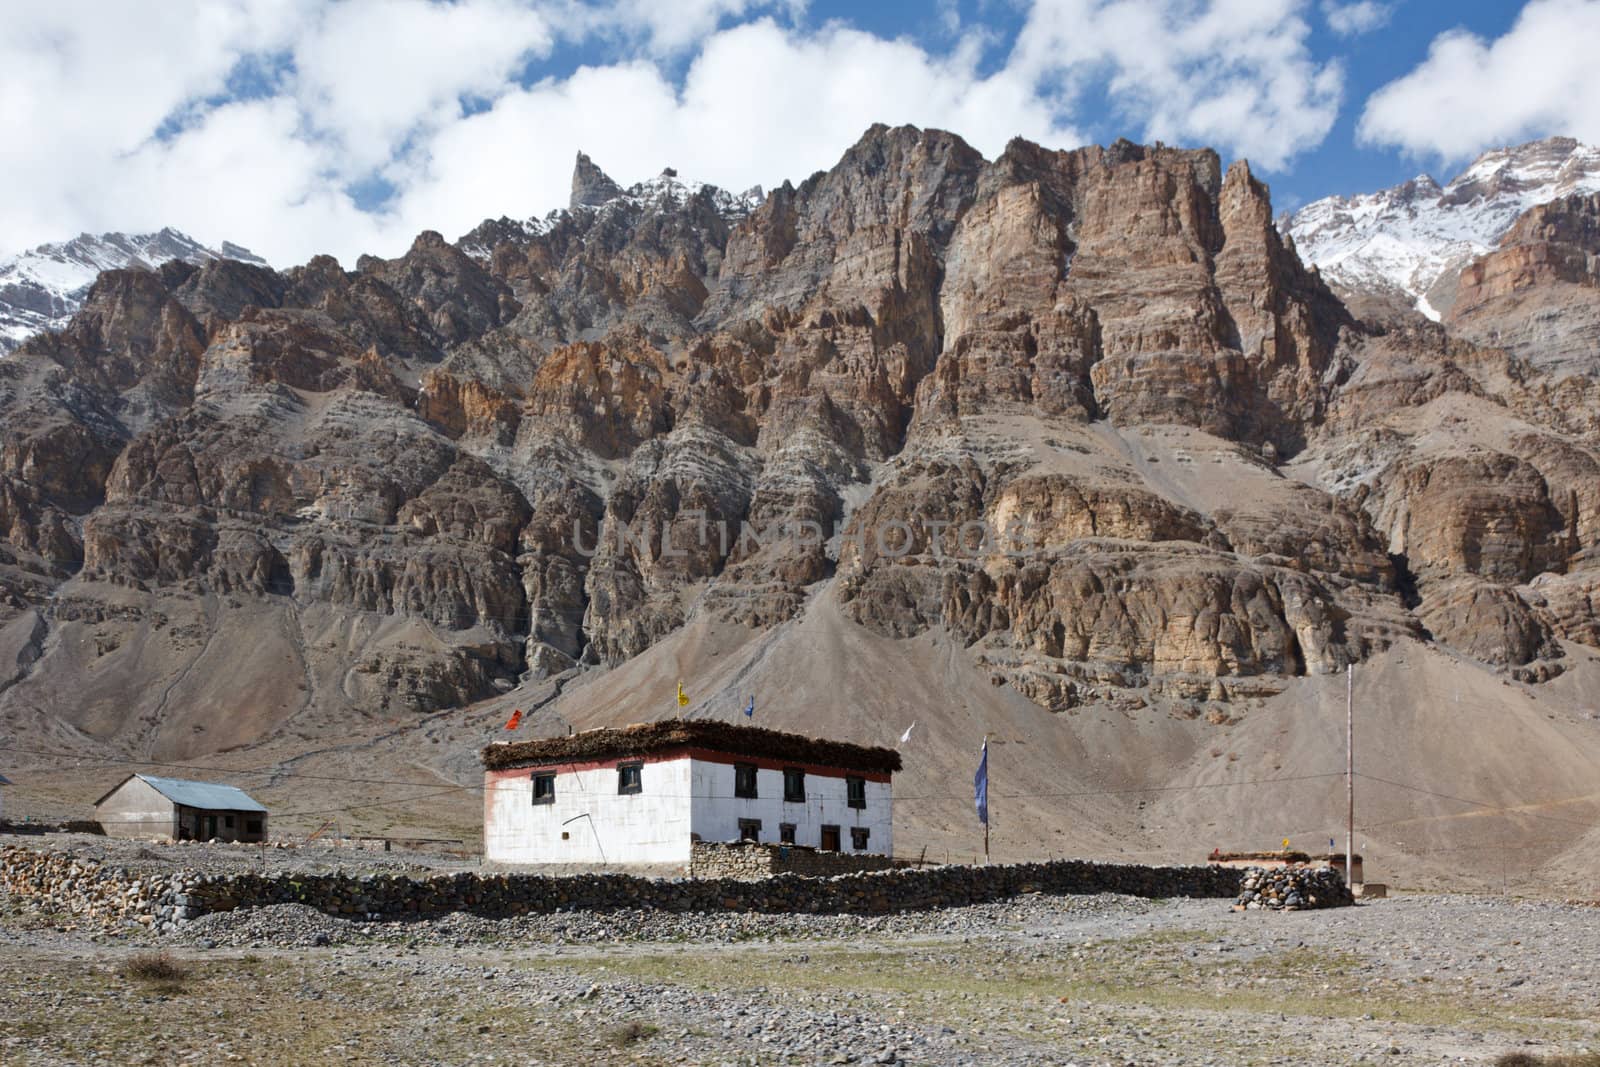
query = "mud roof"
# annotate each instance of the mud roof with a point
(725, 737)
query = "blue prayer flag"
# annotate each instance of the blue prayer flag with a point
(980, 785)
(750, 712)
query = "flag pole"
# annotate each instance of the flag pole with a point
(986, 800)
(1350, 773)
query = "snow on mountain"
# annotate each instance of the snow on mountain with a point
(43, 287)
(1411, 237)
(595, 193)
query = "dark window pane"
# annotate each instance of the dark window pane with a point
(630, 778)
(794, 785)
(857, 788)
(786, 833)
(858, 836)
(744, 780)
(749, 829)
(544, 788)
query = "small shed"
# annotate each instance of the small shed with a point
(143, 805)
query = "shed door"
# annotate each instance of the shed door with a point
(210, 827)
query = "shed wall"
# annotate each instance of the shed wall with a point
(136, 809)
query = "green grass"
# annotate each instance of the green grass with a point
(1150, 971)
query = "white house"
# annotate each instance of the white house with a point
(641, 794)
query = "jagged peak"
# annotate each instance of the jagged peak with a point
(591, 186)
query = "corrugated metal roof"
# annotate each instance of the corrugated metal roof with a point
(202, 794)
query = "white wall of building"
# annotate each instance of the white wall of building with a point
(717, 811)
(601, 826)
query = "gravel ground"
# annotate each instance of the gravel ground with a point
(1098, 980)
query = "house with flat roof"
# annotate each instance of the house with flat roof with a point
(143, 805)
(644, 794)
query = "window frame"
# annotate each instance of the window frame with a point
(625, 788)
(786, 833)
(740, 790)
(548, 794)
(856, 793)
(794, 785)
(752, 827)
(860, 838)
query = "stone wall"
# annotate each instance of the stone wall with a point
(59, 882)
(749, 860)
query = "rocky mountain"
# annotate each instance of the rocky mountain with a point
(1411, 241)
(42, 288)
(1067, 445)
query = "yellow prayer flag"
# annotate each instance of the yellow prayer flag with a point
(683, 698)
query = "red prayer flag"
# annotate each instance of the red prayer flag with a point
(515, 720)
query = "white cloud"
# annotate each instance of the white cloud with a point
(1470, 94)
(251, 122)
(1236, 74)
(670, 28)
(1351, 20)
(759, 104)
(372, 72)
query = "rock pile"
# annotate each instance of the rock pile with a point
(1292, 889)
(745, 860)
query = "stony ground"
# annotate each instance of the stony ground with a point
(1084, 980)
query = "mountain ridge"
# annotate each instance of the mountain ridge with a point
(1411, 239)
(318, 512)
(43, 287)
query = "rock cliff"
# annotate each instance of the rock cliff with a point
(1085, 412)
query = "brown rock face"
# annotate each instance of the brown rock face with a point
(1083, 411)
(1538, 294)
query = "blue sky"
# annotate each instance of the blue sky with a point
(301, 126)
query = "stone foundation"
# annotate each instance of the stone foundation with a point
(749, 861)
(55, 881)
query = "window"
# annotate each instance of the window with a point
(786, 833)
(830, 839)
(630, 778)
(749, 829)
(794, 785)
(227, 820)
(252, 826)
(744, 780)
(544, 788)
(857, 789)
(858, 837)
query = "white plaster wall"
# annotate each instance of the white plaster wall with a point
(717, 811)
(601, 826)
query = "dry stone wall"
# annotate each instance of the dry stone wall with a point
(58, 882)
(749, 860)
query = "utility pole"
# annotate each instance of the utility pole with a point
(1350, 773)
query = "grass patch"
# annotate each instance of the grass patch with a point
(159, 969)
(1524, 1059)
(1149, 971)
(630, 1033)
